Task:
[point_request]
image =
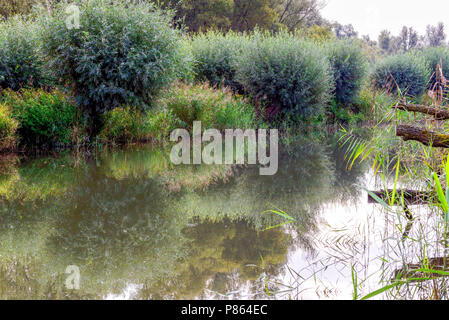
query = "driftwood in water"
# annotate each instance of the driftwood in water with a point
(437, 113)
(426, 137)
(411, 197)
(414, 270)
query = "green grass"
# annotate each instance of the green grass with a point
(181, 105)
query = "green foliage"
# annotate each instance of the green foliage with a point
(437, 56)
(161, 123)
(374, 104)
(338, 114)
(123, 53)
(202, 14)
(299, 14)
(288, 74)
(407, 72)
(385, 40)
(19, 64)
(214, 55)
(124, 124)
(8, 128)
(317, 33)
(349, 66)
(244, 15)
(179, 106)
(256, 13)
(44, 117)
(10, 8)
(238, 15)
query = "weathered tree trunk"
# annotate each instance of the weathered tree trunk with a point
(426, 137)
(437, 113)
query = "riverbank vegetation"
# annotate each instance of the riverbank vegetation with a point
(132, 72)
(136, 82)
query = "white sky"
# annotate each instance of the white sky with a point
(372, 16)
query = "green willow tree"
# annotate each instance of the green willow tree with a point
(239, 15)
(243, 15)
(202, 15)
(296, 14)
(111, 60)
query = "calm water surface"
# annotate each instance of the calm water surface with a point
(139, 228)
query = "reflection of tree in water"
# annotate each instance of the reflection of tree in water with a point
(122, 221)
(144, 161)
(26, 269)
(121, 232)
(347, 180)
(124, 231)
(303, 183)
(25, 278)
(118, 231)
(223, 255)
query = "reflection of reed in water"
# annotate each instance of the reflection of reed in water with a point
(123, 217)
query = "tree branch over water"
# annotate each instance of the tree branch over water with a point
(411, 197)
(437, 113)
(426, 137)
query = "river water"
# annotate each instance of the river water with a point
(137, 227)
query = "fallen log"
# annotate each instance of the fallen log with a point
(437, 113)
(411, 197)
(426, 137)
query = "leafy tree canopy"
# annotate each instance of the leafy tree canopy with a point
(202, 15)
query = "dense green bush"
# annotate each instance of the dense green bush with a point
(214, 54)
(179, 106)
(349, 66)
(125, 124)
(44, 117)
(290, 75)
(19, 64)
(408, 72)
(8, 128)
(123, 53)
(437, 56)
